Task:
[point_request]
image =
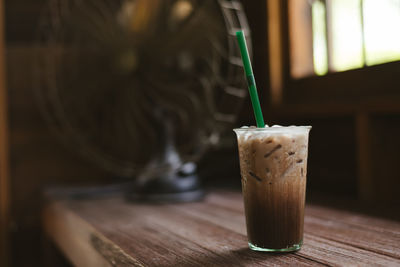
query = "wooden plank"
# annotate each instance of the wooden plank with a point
(4, 168)
(305, 111)
(329, 33)
(275, 50)
(159, 231)
(335, 253)
(372, 234)
(352, 86)
(81, 243)
(365, 182)
(213, 232)
(301, 39)
(366, 222)
(384, 134)
(317, 248)
(364, 238)
(369, 233)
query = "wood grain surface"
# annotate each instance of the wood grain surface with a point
(113, 232)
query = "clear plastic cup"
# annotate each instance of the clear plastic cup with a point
(273, 166)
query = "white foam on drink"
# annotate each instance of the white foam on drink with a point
(252, 132)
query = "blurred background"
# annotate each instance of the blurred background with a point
(332, 64)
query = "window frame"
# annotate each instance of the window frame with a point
(375, 83)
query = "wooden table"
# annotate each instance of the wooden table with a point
(112, 232)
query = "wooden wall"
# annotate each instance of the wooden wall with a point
(4, 170)
(36, 158)
(385, 159)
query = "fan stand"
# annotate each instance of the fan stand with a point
(167, 178)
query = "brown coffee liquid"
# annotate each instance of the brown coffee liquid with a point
(273, 170)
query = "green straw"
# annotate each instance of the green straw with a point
(251, 82)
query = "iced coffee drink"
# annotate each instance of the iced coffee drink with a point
(273, 165)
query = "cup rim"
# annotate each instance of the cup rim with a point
(277, 128)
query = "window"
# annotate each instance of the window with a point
(334, 49)
(348, 34)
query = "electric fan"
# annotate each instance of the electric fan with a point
(141, 87)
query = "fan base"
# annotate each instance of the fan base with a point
(182, 197)
(175, 185)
